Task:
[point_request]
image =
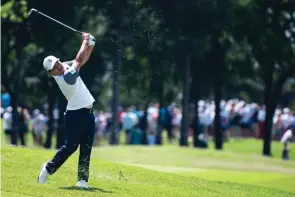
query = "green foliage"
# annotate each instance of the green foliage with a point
(14, 11)
(155, 38)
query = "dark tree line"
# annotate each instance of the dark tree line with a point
(156, 49)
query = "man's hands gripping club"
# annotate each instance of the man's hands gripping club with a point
(89, 38)
(88, 42)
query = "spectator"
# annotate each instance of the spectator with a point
(261, 119)
(38, 127)
(143, 125)
(7, 118)
(277, 131)
(287, 119)
(246, 120)
(207, 120)
(224, 116)
(120, 117)
(2, 112)
(152, 125)
(203, 135)
(286, 139)
(129, 121)
(235, 120)
(176, 121)
(254, 119)
(100, 126)
(202, 119)
(24, 117)
(136, 135)
(167, 122)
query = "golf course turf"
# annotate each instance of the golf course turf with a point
(152, 171)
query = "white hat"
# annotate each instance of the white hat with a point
(49, 62)
(36, 112)
(9, 109)
(286, 110)
(201, 103)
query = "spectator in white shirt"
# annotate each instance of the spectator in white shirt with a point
(38, 126)
(225, 123)
(286, 119)
(261, 119)
(246, 120)
(129, 121)
(152, 123)
(286, 139)
(100, 127)
(2, 112)
(7, 118)
(176, 122)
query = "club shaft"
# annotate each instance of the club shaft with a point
(58, 22)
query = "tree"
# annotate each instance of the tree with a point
(271, 51)
(27, 42)
(14, 50)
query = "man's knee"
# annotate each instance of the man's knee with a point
(71, 148)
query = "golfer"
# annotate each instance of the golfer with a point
(79, 118)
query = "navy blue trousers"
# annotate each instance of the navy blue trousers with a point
(80, 129)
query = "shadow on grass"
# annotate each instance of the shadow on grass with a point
(90, 189)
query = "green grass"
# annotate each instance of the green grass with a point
(238, 170)
(151, 171)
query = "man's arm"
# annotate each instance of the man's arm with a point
(84, 52)
(88, 53)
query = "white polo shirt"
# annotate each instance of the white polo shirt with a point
(73, 88)
(7, 117)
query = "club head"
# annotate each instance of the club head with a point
(32, 10)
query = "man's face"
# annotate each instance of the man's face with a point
(57, 69)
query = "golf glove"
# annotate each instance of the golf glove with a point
(91, 40)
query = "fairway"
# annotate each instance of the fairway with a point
(151, 171)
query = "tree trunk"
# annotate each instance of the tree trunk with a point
(7, 84)
(15, 119)
(196, 130)
(144, 125)
(15, 95)
(184, 123)
(160, 126)
(217, 62)
(271, 104)
(217, 120)
(194, 91)
(268, 86)
(268, 130)
(117, 66)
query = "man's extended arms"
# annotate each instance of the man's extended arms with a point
(85, 51)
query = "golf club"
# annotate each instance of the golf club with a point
(38, 12)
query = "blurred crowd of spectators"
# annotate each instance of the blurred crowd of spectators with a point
(238, 119)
